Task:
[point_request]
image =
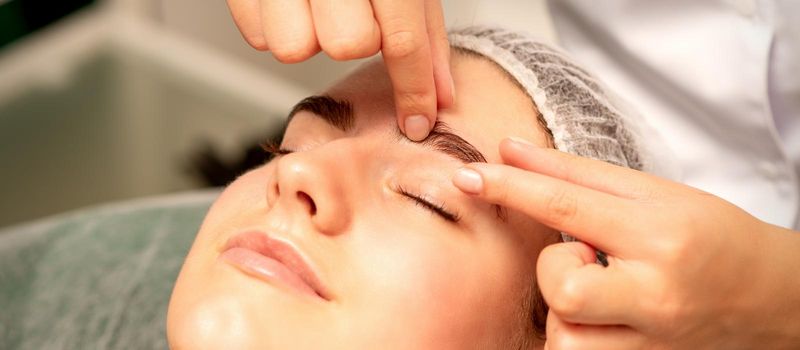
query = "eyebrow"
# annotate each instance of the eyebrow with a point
(442, 139)
(339, 114)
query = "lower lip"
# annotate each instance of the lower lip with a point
(267, 269)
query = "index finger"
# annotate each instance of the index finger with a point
(440, 53)
(607, 222)
(407, 53)
(591, 173)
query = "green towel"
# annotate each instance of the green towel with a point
(98, 278)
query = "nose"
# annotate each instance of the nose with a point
(309, 186)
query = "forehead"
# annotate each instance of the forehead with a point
(488, 105)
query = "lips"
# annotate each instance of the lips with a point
(272, 260)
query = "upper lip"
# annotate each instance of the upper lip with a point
(282, 251)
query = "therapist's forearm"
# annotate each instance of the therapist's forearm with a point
(776, 301)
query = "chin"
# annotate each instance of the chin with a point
(216, 323)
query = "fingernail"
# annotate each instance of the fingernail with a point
(521, 141)
(468, 180)
(417, 127)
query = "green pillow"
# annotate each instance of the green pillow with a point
(97, 278)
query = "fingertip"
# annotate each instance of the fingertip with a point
(257, 42)
(565, 255)
(516, 140)
(515, 143)
(468, 180)
(417, 127)
(295, 52)
(416, 109)
(516, 150)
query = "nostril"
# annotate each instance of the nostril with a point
(304, 197)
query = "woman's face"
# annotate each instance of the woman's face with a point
(402, 259)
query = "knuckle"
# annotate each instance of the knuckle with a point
(498, 189)
(675, 251)
(561, 206)
(666, 311)
(569, 300)
(401, 44)
(677, 248)
(663, 303)
(643, 191)
(414, 100)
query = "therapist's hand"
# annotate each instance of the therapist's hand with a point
(687, 270)
(410, 34)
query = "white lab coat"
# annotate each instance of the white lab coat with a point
(718, 79)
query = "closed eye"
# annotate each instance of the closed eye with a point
(426, 203)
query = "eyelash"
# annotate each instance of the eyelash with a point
(274, 149)
(438, 209)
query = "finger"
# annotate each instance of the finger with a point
(247, 16)
(607, 222)
(407, 53)
(346, 29)
(599, 175)
(440, 53)
(566, 336)
(580, 291)
(289, 29)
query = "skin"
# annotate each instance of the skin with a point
(400, 276)
(410, 34)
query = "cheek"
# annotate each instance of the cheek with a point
(409, 280)
(247, 191)
(439, 284)
(237, 204)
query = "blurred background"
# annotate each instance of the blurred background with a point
(108, 100)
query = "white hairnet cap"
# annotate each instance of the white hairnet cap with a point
(584, 117)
